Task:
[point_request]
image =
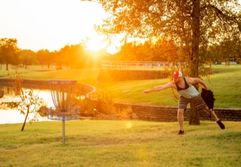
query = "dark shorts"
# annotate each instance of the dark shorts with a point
(197, 102)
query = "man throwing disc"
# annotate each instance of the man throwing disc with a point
(188, 94)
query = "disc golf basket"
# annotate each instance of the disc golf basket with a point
(62, 95)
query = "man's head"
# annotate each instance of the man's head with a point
(176, 75)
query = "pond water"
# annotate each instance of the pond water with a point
(9, 112)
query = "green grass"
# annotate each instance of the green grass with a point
(120, 144)
(44, 73)
(225, 83)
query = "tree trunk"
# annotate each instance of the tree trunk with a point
(194, 59)
(194, 116)
(25, 119)
(6, 66)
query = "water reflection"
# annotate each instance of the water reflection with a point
(14, 116)
(9, 102)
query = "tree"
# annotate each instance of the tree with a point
(44, 57)
(30, 103)
(8, 51)
(68, 53)
(166, 50)
(27, 57)
(225, 51)
(192, 24)
(161, 50)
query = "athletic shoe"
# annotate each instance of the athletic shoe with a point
(220, 124)
(181, 132)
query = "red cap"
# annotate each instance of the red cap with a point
(177, 74)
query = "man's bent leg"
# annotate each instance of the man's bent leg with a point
(212, 112)
(180, 113)
(214, 115)
(219, 122)
(180, 118)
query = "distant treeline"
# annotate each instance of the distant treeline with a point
(69, 55)
(77, 56)
(170, 52)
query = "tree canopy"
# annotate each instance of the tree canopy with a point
(8, 51)
(192, 24)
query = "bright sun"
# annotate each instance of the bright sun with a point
(95, 43)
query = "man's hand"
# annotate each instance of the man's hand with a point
(147, 91)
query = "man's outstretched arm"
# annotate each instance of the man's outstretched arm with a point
(160, 87)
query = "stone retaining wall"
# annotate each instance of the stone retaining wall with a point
(160, 113)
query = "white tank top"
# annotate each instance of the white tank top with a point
(189, 93)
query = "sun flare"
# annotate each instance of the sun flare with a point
(95, 44)
(99, 42)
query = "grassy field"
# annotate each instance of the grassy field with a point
(44, 73)
(225, 83)
(120, 144)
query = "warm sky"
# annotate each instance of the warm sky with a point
(51, 24)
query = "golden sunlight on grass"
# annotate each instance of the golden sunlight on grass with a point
(108, 143)
(128, 125)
